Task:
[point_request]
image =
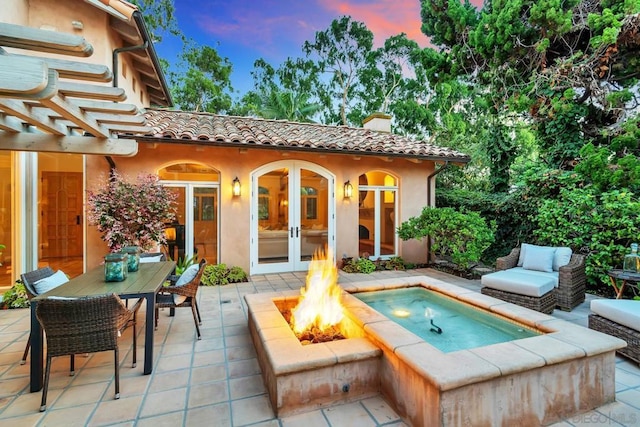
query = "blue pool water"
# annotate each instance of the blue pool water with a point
(462, 326)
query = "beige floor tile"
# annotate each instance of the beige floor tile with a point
(68, 417)
(116, 411)
(29, 403)
(246, 387)
(164, 402)
(630, 397)
(380, 410)
(11, 387)
(212, 357)
(210, 343)
(26, 420)
(208, 394)
(348, 415)
(169, 380)
(241, 353)
(174, 349)
(243, 368)
(208, 373)
(84, 394)
(165, 420)
(251, 410)
(309, 419)
(172, 363)
(212, 415)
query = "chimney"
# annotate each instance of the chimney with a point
(378, 121)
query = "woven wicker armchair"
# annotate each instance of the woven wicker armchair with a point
(165, 298)
(572, 279)
(29, 279)
(84, 325)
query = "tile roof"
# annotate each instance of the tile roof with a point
(248, 132)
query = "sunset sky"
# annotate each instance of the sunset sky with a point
(245, 30)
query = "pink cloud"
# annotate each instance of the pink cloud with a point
(384, 18)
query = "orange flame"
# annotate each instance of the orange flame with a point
(320, 301)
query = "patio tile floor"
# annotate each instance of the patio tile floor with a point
(216, 381)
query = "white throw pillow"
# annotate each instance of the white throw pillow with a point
(45, 285)
(539, 258)
(156, 258)
(185, 278)
(562, 257)
(523, 251)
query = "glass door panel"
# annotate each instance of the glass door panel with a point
(274, 230)
(366, 224)
(205, 230)
(175, 232)
(388, 223)
(60, 220)
(313, 213)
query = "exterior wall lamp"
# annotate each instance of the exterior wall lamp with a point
(236, 188)
(348, 190)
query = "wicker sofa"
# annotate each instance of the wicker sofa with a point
(562, 286)
(621, 319)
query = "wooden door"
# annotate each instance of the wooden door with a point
(61, 214)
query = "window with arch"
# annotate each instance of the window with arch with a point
(377, 221)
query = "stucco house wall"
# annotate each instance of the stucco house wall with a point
(235, 212)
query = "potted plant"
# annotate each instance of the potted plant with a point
(131, 213)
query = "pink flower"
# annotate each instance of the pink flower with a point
(131, 213)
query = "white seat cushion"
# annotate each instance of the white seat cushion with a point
(623, 311)
(156, 258)
(45, 285)
(520, 281)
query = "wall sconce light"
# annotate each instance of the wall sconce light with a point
(348, 190)
(236, 187)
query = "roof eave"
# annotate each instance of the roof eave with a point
(459, 161)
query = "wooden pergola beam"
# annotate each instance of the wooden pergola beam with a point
(67, 144)
(71, 69)
(21, 37)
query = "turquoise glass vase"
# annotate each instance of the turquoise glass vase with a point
(133, 261)
(115, 267)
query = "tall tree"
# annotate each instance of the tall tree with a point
(344, 52)
(159, 17)
(206, 83)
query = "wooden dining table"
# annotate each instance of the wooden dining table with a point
(144, 283)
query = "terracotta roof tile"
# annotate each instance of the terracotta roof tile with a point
(222, 130)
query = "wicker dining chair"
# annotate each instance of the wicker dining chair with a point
(165, 298)
(84, 325)
(29, 279)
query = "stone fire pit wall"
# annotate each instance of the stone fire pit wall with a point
(540, 380)
(303, 378)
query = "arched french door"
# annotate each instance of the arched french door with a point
(292, 215)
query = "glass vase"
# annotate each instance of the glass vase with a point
(133, 262)
(632, 261)
(115, 267)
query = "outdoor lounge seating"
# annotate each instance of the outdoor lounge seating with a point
(621, 319)
(182, 293)
(29, 280)
(539, 278)
(84, 325)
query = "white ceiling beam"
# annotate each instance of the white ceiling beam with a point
(68, 144)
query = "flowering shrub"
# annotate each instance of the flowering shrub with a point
(131, 213)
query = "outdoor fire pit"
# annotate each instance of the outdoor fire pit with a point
(539, 380)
